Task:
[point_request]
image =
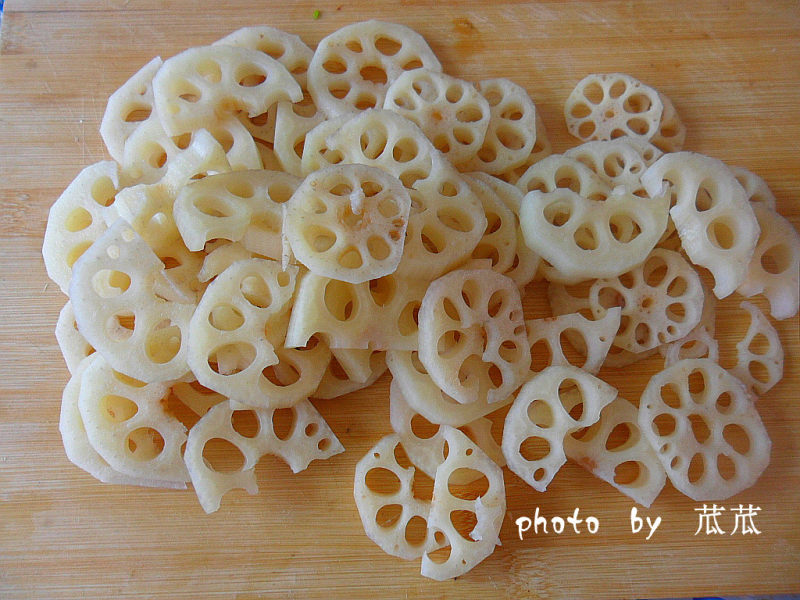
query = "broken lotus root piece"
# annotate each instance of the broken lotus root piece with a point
(758, 367)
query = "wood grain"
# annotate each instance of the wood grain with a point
(731, 69)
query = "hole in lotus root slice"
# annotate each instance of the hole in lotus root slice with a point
(355, 56)
(346, 374)
(726, 211)
(726, 403)
(550, 419)
(491, 316)
(247, 80)
(760, 346)
(614, 105)
(370, 226)
(297, 448)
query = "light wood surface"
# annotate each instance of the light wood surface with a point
(733, 72)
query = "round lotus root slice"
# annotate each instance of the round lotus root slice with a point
(348, 222)
(705, 429)
(499, 241)
(549, 406)
(472, 335)
(74, 347)
(608, 106)
(342, 375)
(619, 162)
(714, 220)
(661, 299)
(353, 66)
(759, 354)
(671, 133)
(559, 171)
(755, 187)
(450, 111)
(199, 84)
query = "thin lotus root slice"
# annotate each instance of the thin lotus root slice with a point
(671, 133)
(236, 327)
(700, 341)
(128, 309)
(661, 299)
(705, 429)
(511, 134)
(541, 149)
(427, 399)
(348, 222)
(608, 106)
(309, 438)
(237, 206)
(316, 153)
(293, 121)
(499, 241)
(128, 108)
(353, 67)
(619, 162)
(220, 257)
(74, 347)
(450, 111)
(755, 187)
(559, 171)
(341, 378)
(583, 239)
(759, 366)
(591, 338)
(380, 314)
(198, 85)
(196, 397)
(774, 270)
(183, 269)
(446, 220)
(614, 450)
(78, 218)
(552, 404)
(472, 335)
(128, 425)
(714, 220)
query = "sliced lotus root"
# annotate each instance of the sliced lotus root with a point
(316, 153)
(182, 268)
(614, 450)
(774, 270)
(541, 149)
(446, 220)
(591, 338)
(78, 218)
(472, 336)
(220, 258)
(126, 307)
(499, 241)
(552, 404)
(450, 111)
(619, 162)
(236, 327)
(292, 124)
(671, 133)
(341, 377)
(198, 85)
(380, 314)
(252, 433)
(127, 424)
(583, 239)
(74, 347)
(287, 48)
(196, 397)
(759, 354)
(353, 66)
(699, 342)
(559, 171)
(127, 108)
(511, 134)
(755, 187)
(348, 222)
(608, 106)
(714, 220)
(702, 424)
(427, 399)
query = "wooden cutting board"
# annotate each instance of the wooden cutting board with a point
(733, 72)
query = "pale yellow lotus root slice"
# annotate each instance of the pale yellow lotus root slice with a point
(542, 416)
(78, 218)
(621, 161)
(342, 376)
(591, 338)
(705, 429)
(427, 399)
(74, 347)
(220, 257)
(671, 134)
(127, 108)
(236, 327)
(583, 239)
(759, 354)
(348, 222)
(700, 341)
(559, 171)
(755, 187)
(196, 397)
(353, 66)
(446, 220)
(774, 270)
(182, 268)
(542, 148)
(499, 241)
(614, 450)
(472, 335)
(309, 438)
(201, 84)
(293, 121)
(316, 153)
(128, 425)
(127, 308)
(608, 106)
(714, 220)
(450, 111)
